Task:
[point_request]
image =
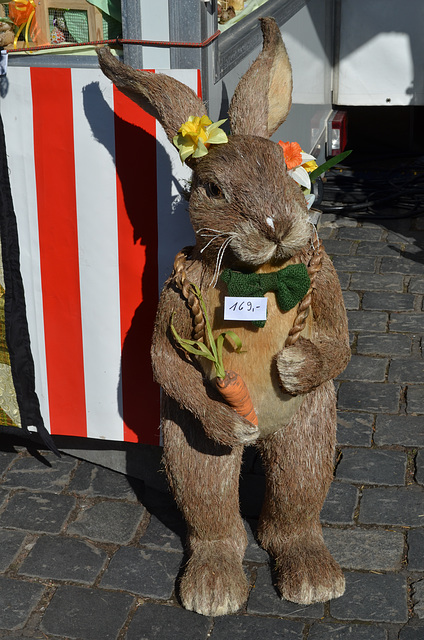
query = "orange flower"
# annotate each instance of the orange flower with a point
(20, 11)
(292, 154)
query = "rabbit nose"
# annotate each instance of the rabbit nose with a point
(270, 223)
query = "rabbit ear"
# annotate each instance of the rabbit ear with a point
(169, 101)
(262, 99)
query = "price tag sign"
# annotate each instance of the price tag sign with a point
(238, 308)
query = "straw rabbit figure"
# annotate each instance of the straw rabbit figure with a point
(249, 215)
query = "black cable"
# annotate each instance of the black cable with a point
(375, 187)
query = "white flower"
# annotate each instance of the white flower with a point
(310, 199)
(299, 173)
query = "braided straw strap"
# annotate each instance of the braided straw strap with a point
(314, 266)
(182, 282)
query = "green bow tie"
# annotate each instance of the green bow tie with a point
(290, 284)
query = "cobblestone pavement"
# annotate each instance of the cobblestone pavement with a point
(90, 554)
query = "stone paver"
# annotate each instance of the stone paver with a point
(351, 300)
(412, 633)
(416, 549)
(360, 233)
(416, 285)
(406, 322)
(371, 466)
(92, 614)
(402, 430)
(401, 236)
(10, 544)
(92, 480)
(364, 396)
(388, 301)
(365, 368)
(406, 371)
(238, 628)
(386, 344)
(161, 622)
(147, 572)
(365, 549)
(254, 553)
(40, 512)
(6, 459)
(51, 475)
(418, 597)
(17, 600)
(354, 429)
(370, 248)
(3, 495)
(339, 247)
(376, 282)
(371, 597)
(403, 506)
(401, 265)
(367, 320)
(415, 399)
(61, 558)
(344, 279)
(165, 534)
(346, 632)
(108, 522)
(420, 467)
(354, 263)
(340, 504)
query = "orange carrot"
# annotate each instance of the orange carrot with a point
(229, 383)
(233, 389)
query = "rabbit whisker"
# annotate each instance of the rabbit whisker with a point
(219, 259)
(209, 229)
(224, 233)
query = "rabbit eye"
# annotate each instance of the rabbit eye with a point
(213, 191)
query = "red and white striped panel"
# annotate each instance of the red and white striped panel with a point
(95, 185)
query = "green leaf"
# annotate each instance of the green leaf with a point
(219, 345)
(204, 350)
(329, 164)
(219, 365)
(234, 337)
(198, 348)
(197, 352)
(194, 347)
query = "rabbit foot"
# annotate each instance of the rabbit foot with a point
(213, 583)
(309, 574)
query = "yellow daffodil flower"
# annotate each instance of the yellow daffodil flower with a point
(196, 135)
(311, 165)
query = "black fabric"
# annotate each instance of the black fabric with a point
(17, 335)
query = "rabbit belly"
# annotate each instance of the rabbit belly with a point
(256, 365)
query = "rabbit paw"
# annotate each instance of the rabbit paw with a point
(229, 429)
(299, 367)
(245, 432)
(307, 573)
(214, 583)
